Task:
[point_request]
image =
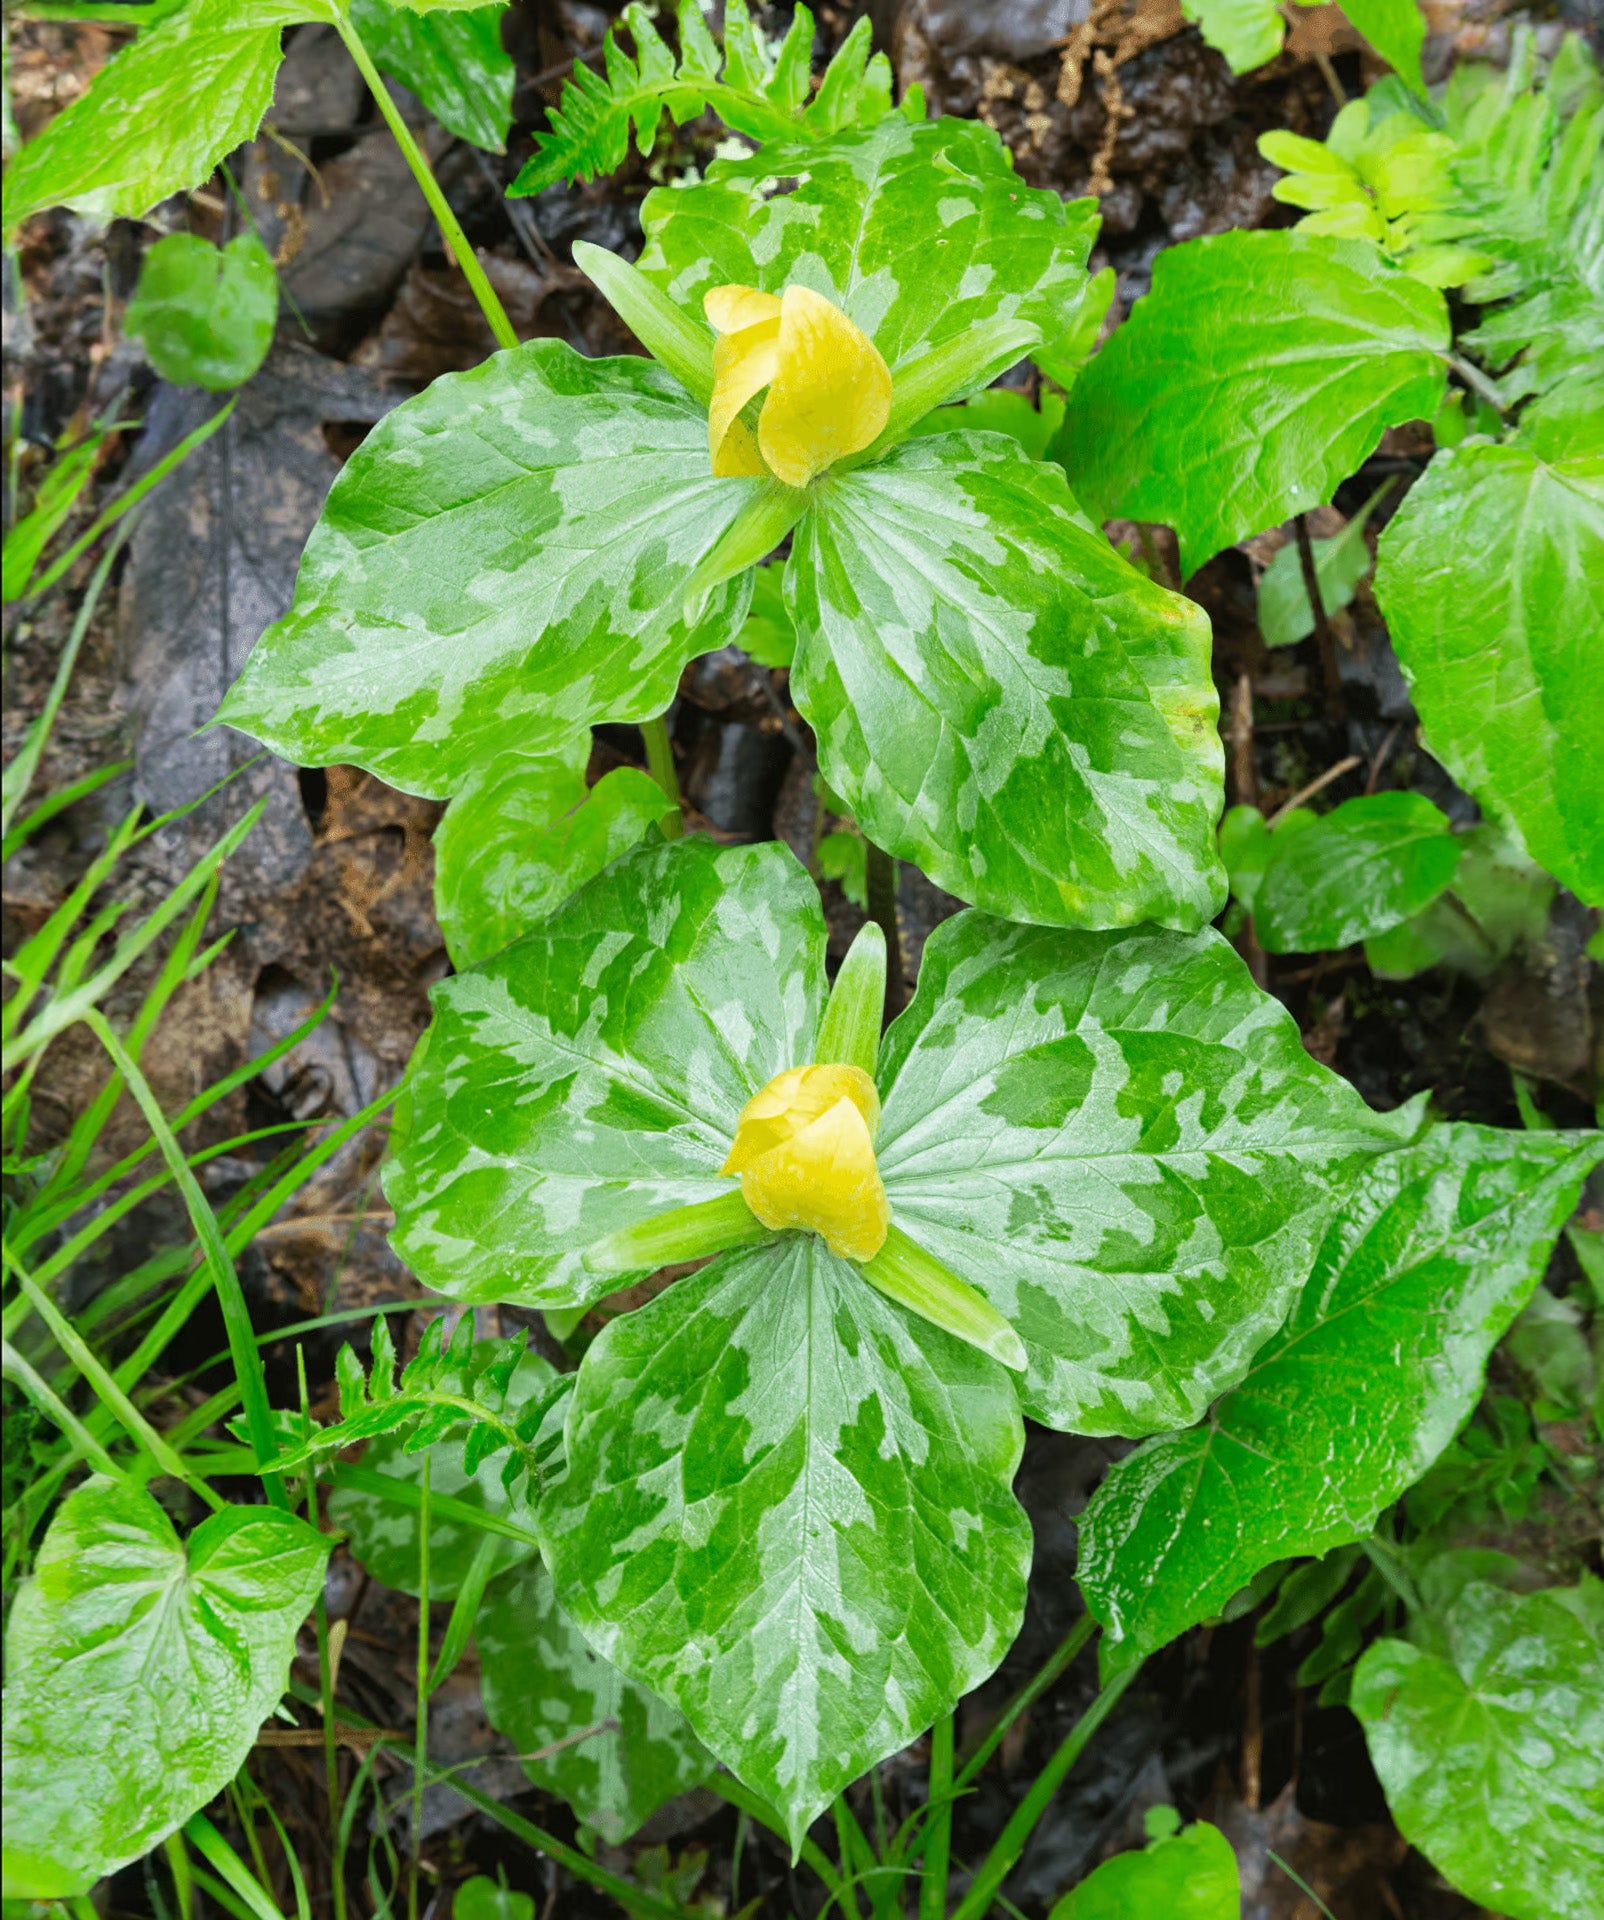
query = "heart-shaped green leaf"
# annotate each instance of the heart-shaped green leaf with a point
(1120, 1140)
(139, 1669)
(455, 64)
(206, 314)
(1487, 1740)
(591, 1075)
(546, 1687)
(787, 1509)
(999, 696)
(1259, 373)
(917, 231)
(1436, 1250)
(1356, 871)
(506, 552)
(1491, 575)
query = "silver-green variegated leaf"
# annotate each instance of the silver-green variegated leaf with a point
(1120, 1140)
(522, 834)
(139, 1669)
(917, 231)
(591, 1075)
(613, 1749)
(506, 553)
(1436, 1249)
(787, 1509)
(1491, 575)
(1261, 371)
(161, 114)
(1000, 697)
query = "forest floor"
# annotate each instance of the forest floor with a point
(335, 884)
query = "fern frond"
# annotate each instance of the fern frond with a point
(762, 95)
(446, 1387)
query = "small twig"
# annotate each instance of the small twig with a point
(1314, 787)
(359, 1739)
(1380, 760)
(1478, 383)
(1325, 639)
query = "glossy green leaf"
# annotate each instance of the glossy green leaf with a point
(1364, 867)
(544, 1684)
(787, 1509)
(918, 232)
(1121, 1142)
(523, 834)
(482, 1898)
(1258, 374)
(1397, 31)
(1189, 1876)
(1248, 33)
(1340, 563)
(1491, 575)
(139, 1669)
(591, 1075)
(507, 552)
(1001, 410)
(452, 60)
(1000, 696)
(384, 1534)
(1500, 902)
(1435, 1251)
(205, 314)
(1488, 1738)
(160, 115)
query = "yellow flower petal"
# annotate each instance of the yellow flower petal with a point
(824, 1180)
(729, 309)
(792, 1101)
(830, 394)
(744, 363)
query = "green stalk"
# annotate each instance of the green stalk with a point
(741, 1797)
(242, 1345)
(847, 1833)
(421, 1736)
(450, 230)
(938, 1833)
(105, 1388)
(1010, 1843)
(660, 762)
(1033, 1689)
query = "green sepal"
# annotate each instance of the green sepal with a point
(686, 1233)
(917, 1280)
(849, 1035)
(951, 371)
(754, 533)
(667, 332)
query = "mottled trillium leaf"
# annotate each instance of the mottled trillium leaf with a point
(999, 696)
(787, 1509)
(205, 314)
(1364, 867)
(161, 114)
(591, 1075)
(1258, 374)
(1487, 1737)
(139, 1669)
(452, 59)
(1437, 1248)
(544, 1683)
(384, 1533)
(1491, 575)
(1120, 1140)
(917, 232)
(1188, 1876)
(506, 552)
(522, 834)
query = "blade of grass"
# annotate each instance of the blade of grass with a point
(15, 1368)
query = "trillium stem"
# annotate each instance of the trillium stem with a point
(688, 1233)
(933, 1887)
(880, 883)
(660, 762)
(917, 1280)
(450, 228)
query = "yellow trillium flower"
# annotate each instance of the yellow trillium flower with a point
(804, 1148)
(829, 390)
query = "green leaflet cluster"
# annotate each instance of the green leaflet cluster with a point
(1223, 417)
(539, 545)
(772, 1464)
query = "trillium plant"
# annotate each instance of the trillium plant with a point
(765, 1532)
